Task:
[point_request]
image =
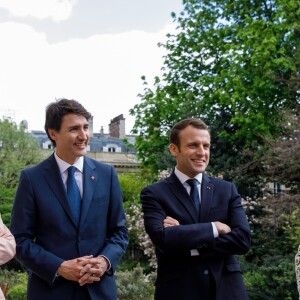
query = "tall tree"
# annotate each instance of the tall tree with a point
(18, 149)
(235, 61)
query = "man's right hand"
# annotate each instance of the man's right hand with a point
(168, 221)
(222, 227)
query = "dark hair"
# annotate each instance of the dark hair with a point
(55, 112)
(174, 135)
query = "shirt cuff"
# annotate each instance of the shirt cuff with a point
(216, 233)
(194, 252)
(108, 271)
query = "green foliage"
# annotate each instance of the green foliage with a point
(275, 278)
(18, 149)
(134, 224)
(128, 263)
(140, 247)
(138, 238)
(165, 161)
(292, 228)
(135, 285)
(229, 60)
(282, 158)
(269, 265)
(132, 284)
(17, 284)
(132, 184)
(6, 202)
(255, 281)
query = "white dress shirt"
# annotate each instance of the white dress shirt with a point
(183, 178)
(63, 168)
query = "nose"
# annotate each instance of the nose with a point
(200, 150)
(83, 134)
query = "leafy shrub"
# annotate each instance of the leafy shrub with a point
(17, 284)
(131, 185)
(137, 234)
(135, 285)
(275, 278)
(132, 284)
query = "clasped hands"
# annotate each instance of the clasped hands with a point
(84, 270)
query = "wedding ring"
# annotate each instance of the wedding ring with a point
(93, 275)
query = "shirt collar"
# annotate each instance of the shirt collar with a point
(63, 166)
(183, 177)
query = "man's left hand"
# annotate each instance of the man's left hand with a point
(93, 269)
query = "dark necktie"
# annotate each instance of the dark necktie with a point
(73, 194)
(194, 194)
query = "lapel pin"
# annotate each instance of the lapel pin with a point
(92, 177)
(208, 187)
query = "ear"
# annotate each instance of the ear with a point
(52, 134)
(173, 150)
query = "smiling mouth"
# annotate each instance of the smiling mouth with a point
(80, 144)
(199, 161)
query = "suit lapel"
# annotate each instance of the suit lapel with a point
(206, 197)
(183, 197)
(53, 178)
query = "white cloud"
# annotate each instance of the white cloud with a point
(57, 10)
(102, 72)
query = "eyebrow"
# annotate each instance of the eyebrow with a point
(78, 125)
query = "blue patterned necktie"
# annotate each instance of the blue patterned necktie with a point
(73, 194)
(194, 194)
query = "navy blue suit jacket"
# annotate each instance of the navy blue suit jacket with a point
(220, 201)
(46, 233)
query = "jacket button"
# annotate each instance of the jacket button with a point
(205, 272)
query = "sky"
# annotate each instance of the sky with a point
(92, 51)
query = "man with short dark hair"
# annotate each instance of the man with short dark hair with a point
(197, 224)
(67, 218)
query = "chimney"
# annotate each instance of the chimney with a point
(117, 127)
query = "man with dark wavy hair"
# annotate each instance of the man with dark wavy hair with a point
(67, 218)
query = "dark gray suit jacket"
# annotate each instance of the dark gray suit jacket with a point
(177, 269)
